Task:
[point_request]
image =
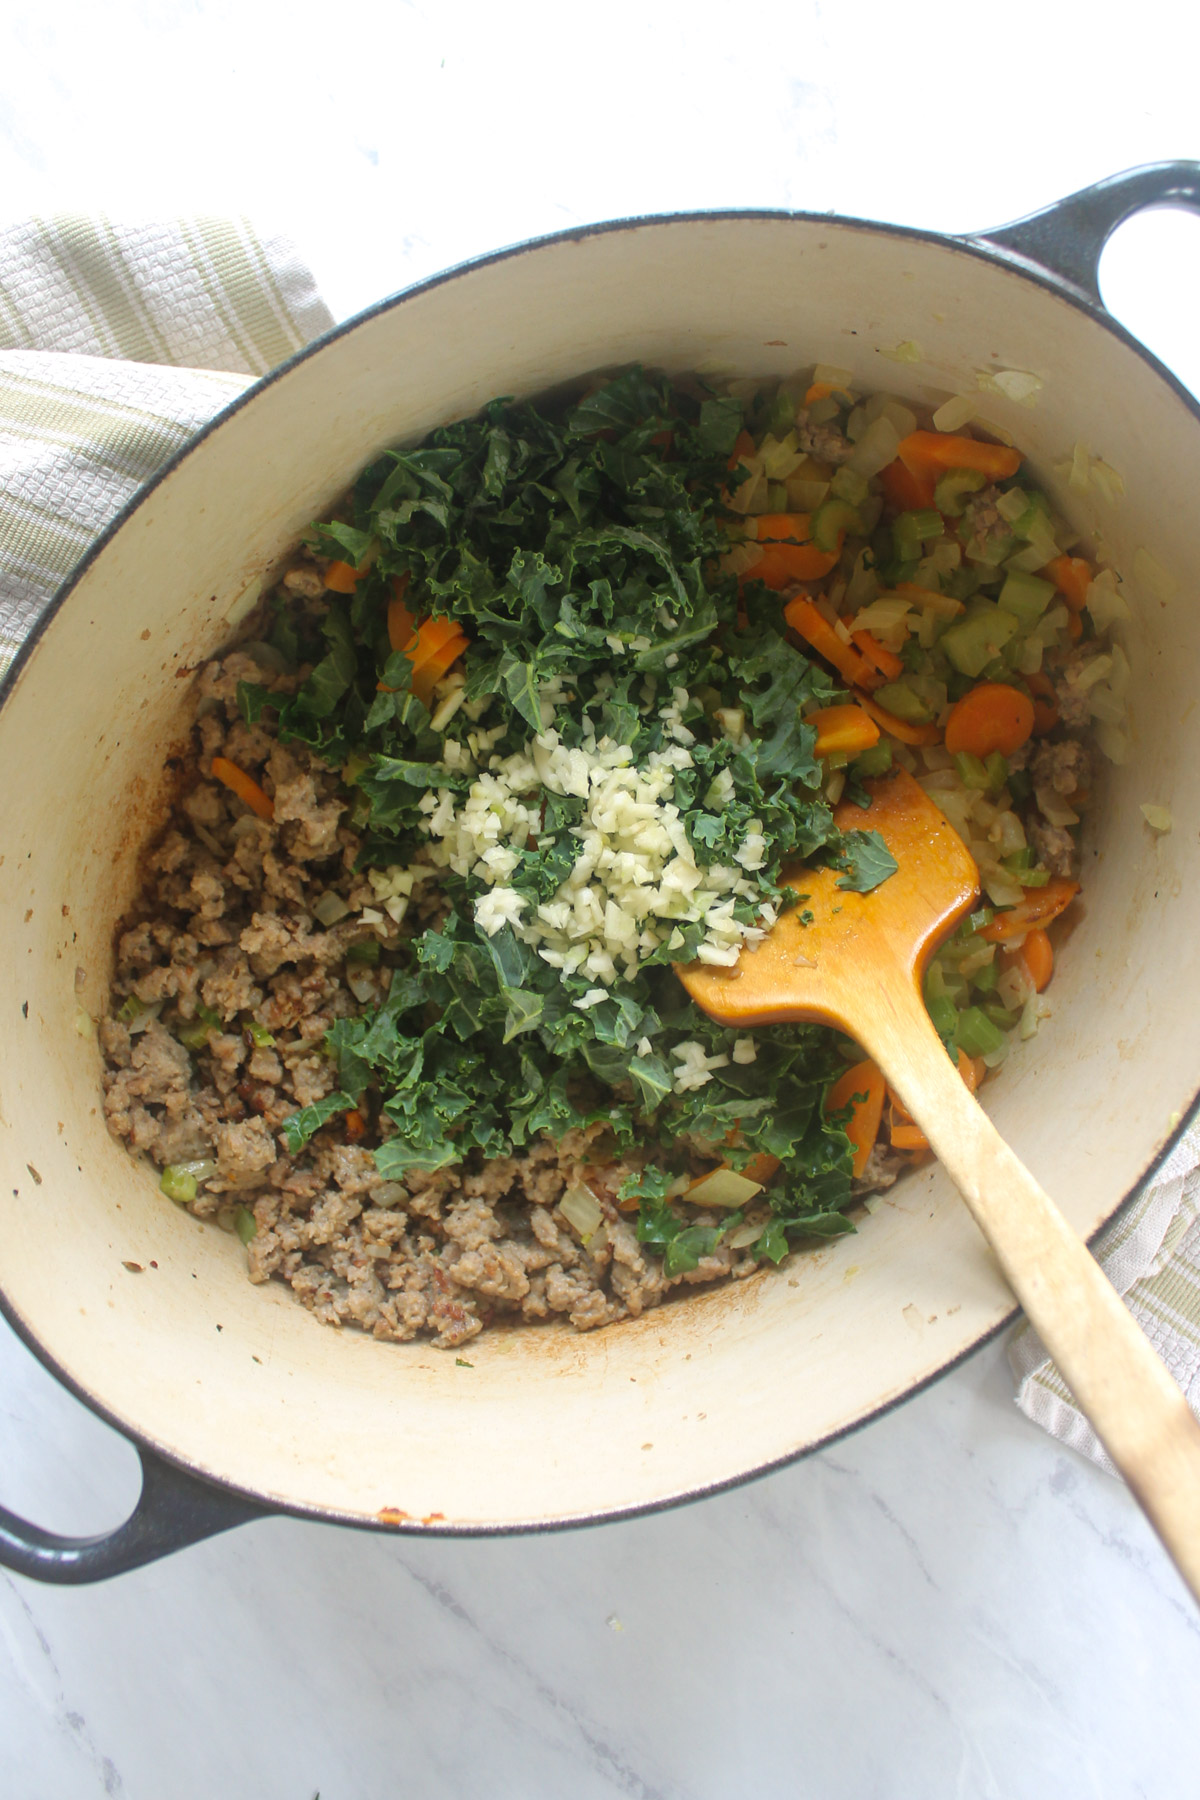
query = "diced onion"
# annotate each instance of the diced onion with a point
(581, 1209)
(1157, 817)
(829, 375)
(1113, 741)
(953, 414)
(361, 985)
(724, 1187)
(744, 1235)
(330, 908)
(876, 448)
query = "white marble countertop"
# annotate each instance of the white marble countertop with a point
(948, 1602)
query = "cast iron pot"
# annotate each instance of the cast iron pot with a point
(239, 1402)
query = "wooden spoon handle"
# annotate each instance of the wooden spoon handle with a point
(1138, 1412)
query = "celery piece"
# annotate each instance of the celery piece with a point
(244, 1224)
(132, 1009)
(875, 761)
(950, 494)
(944, 1014)
(997, 771)
(983, 915)
(1034, 878)
(973, 641)
(777, 498)
(848, 484)
(1026, 597)
(1002, 1016)
(194, 1036)
(258, 1034)
(972, 772)
(781, 415)
(985, 978)
(178, 1184)
(900, 698)
(976, 1033)
(830, 522)
(365, 952)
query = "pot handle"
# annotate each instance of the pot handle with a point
(174, 1509)
(1066, 239)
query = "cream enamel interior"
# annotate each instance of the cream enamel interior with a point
(544, 1425)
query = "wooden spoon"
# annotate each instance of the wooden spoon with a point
(857, 965)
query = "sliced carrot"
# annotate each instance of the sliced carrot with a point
(905, 489)
(899, 728)
(863, 1088)
(843, 730)
(1074, 627)
(343, 577)
(790, 527)
(356, 1125)
(928, 450)
(972, 1069)
(429, 671)
(761, 1167)
(244, 786)
(1072, 576)
(992, 716)
(816, 630)
(781, 564)
(908, 1137)
(819, 390)
(877, 655)
(1045, 703)
(1036, 957)
(1039, 906)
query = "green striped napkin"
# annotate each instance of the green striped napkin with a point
(117, 342)
(1151, 1254)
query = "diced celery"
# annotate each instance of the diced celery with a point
(976, 1034)
(849, 485)
(781, 415)
(258, 1034)
(973, 641)
(831, 521)
(822, 412)
(1034, 878)
(194, 1036)
(983, 915)
(972, 772)
(950, 494)
(178, 1183)
(984, 979)
(944, 1014)
(875, 761)
(997, 771)
(244, 1224)
(1026, 597)
(1000, 1015)
(777, 498)
(901, 698)
(365, 952)
(132, 1009)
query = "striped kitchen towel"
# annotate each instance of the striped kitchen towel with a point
(116, 343)
(1151, 1254)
